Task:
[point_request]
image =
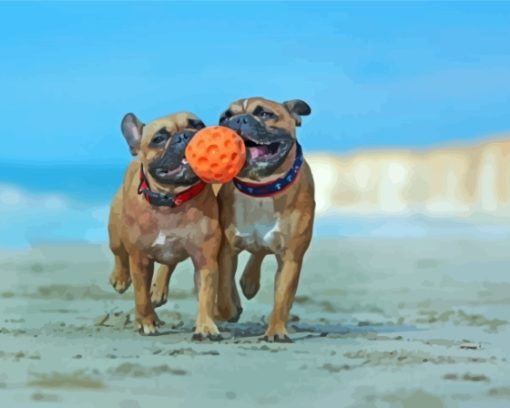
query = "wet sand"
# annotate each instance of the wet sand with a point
(376, 323)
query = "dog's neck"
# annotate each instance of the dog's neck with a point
(166, 196)
(278, 173)
(275, 185)
(167, 188)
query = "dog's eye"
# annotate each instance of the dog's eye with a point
(266, 115)
(227, 114)
(263, 114)
(159, 139)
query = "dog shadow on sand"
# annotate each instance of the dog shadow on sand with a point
(254, 330)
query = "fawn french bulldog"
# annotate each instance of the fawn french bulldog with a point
(163, 213)
(267, 209)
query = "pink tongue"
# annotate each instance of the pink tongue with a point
(258, 151)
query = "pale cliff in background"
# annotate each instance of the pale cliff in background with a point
(451, 181)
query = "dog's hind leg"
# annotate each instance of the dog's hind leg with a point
(250, 280)
(159, 289)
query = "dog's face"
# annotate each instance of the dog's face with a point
(268, 129)
(161, 145)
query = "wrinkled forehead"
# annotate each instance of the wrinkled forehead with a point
(172, 123)
(250, 104)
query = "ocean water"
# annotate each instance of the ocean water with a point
(87, 184)
(69, 203)
(50, 204)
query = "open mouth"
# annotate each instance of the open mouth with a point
(262, 150)
(167, 172)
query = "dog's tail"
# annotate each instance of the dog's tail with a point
(250, 280)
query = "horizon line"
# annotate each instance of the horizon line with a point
(447, 144)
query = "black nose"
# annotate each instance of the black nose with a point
(181, 137)
(243, 123)
(242, 120)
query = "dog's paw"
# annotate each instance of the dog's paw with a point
(274, 335)
(206, 330)
(230, 313)
(120, 283)
(277, 338)
(249, 286)
(159, 296)
(148, 326)
(210, 337)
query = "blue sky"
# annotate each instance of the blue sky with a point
(376, 74)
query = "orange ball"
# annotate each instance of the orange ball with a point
(216, 154)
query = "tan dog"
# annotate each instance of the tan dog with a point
(267, 209)
(163, 213)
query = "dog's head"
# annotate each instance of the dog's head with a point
(161, 145)
(269, 132)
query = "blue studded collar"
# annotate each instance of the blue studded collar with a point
(276, 186)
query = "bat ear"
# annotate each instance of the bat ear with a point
(297, 108)
(132, 130)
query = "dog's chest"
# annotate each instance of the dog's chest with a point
(167, 247)
(258, 225)
(168, 243)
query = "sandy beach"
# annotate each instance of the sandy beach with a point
(376, 323)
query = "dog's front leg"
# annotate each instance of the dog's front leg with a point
(120, 278)
(286, 283)
(229, 303)
(206, 278)
(142, 269)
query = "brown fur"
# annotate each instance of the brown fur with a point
(291, 212)
(141, 234)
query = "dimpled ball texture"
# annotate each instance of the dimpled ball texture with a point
(216, 154)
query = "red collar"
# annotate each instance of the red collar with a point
(167, 199)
